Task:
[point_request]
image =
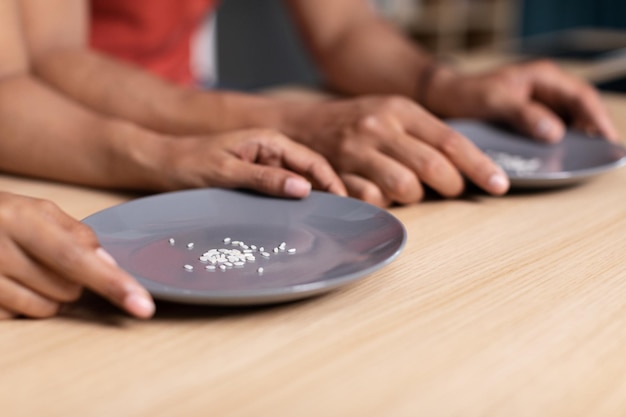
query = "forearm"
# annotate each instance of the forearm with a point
(370, 57)
(126, 92)
(361, 53)
(44, 135)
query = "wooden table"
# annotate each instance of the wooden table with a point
(512, 306)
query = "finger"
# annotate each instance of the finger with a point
(21, 300)
(84, 263)
(6, 314)
(365, 190)
(426, 164)
(396, 181)
(31, 274)
(591, 116)
(308, 163)
(463, 154)
(578, 99)
(266, 179)
(533, 119)
(431, 166)
(98, 271)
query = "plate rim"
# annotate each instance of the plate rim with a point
(164, 292)
(548, 179)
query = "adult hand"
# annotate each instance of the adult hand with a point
(258, 159)
(538, 98)
(387, 148)
(47, 258)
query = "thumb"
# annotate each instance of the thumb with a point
(534, 120)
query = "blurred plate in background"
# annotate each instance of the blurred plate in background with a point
(529, 163)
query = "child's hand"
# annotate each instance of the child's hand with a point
(258, 159)
(47, 257)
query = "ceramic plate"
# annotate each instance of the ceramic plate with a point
(529, 163)
(337, 240)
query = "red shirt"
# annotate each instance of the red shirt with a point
(154, 34)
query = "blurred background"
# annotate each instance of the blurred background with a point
(257, 47)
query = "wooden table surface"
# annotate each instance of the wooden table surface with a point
(512, 306)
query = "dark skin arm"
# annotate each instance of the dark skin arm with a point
(47, 257)
(384, 147)
(360, 53)
(45, 134)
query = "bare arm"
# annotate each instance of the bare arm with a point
(367, 140)
(360, 53)
(52, 137)
(13, 56)
(45, 135)
(57, 33)
(357, 50)
(38, 127)
(47, 257)
(55, 137)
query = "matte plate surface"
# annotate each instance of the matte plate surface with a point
(337, 240)
(530, 164)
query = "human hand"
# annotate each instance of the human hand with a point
(47, 258)
(537, 98)
(387, 148)
(258, 159)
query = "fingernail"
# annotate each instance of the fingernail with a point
(544, 127)
(297, 187)
(106, 256)
(498, 183)
(139, 305)
(547, 130)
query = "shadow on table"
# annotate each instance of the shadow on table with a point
(474, 194)
(95, 309)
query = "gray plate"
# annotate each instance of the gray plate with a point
(530, 164)
(337, 240)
